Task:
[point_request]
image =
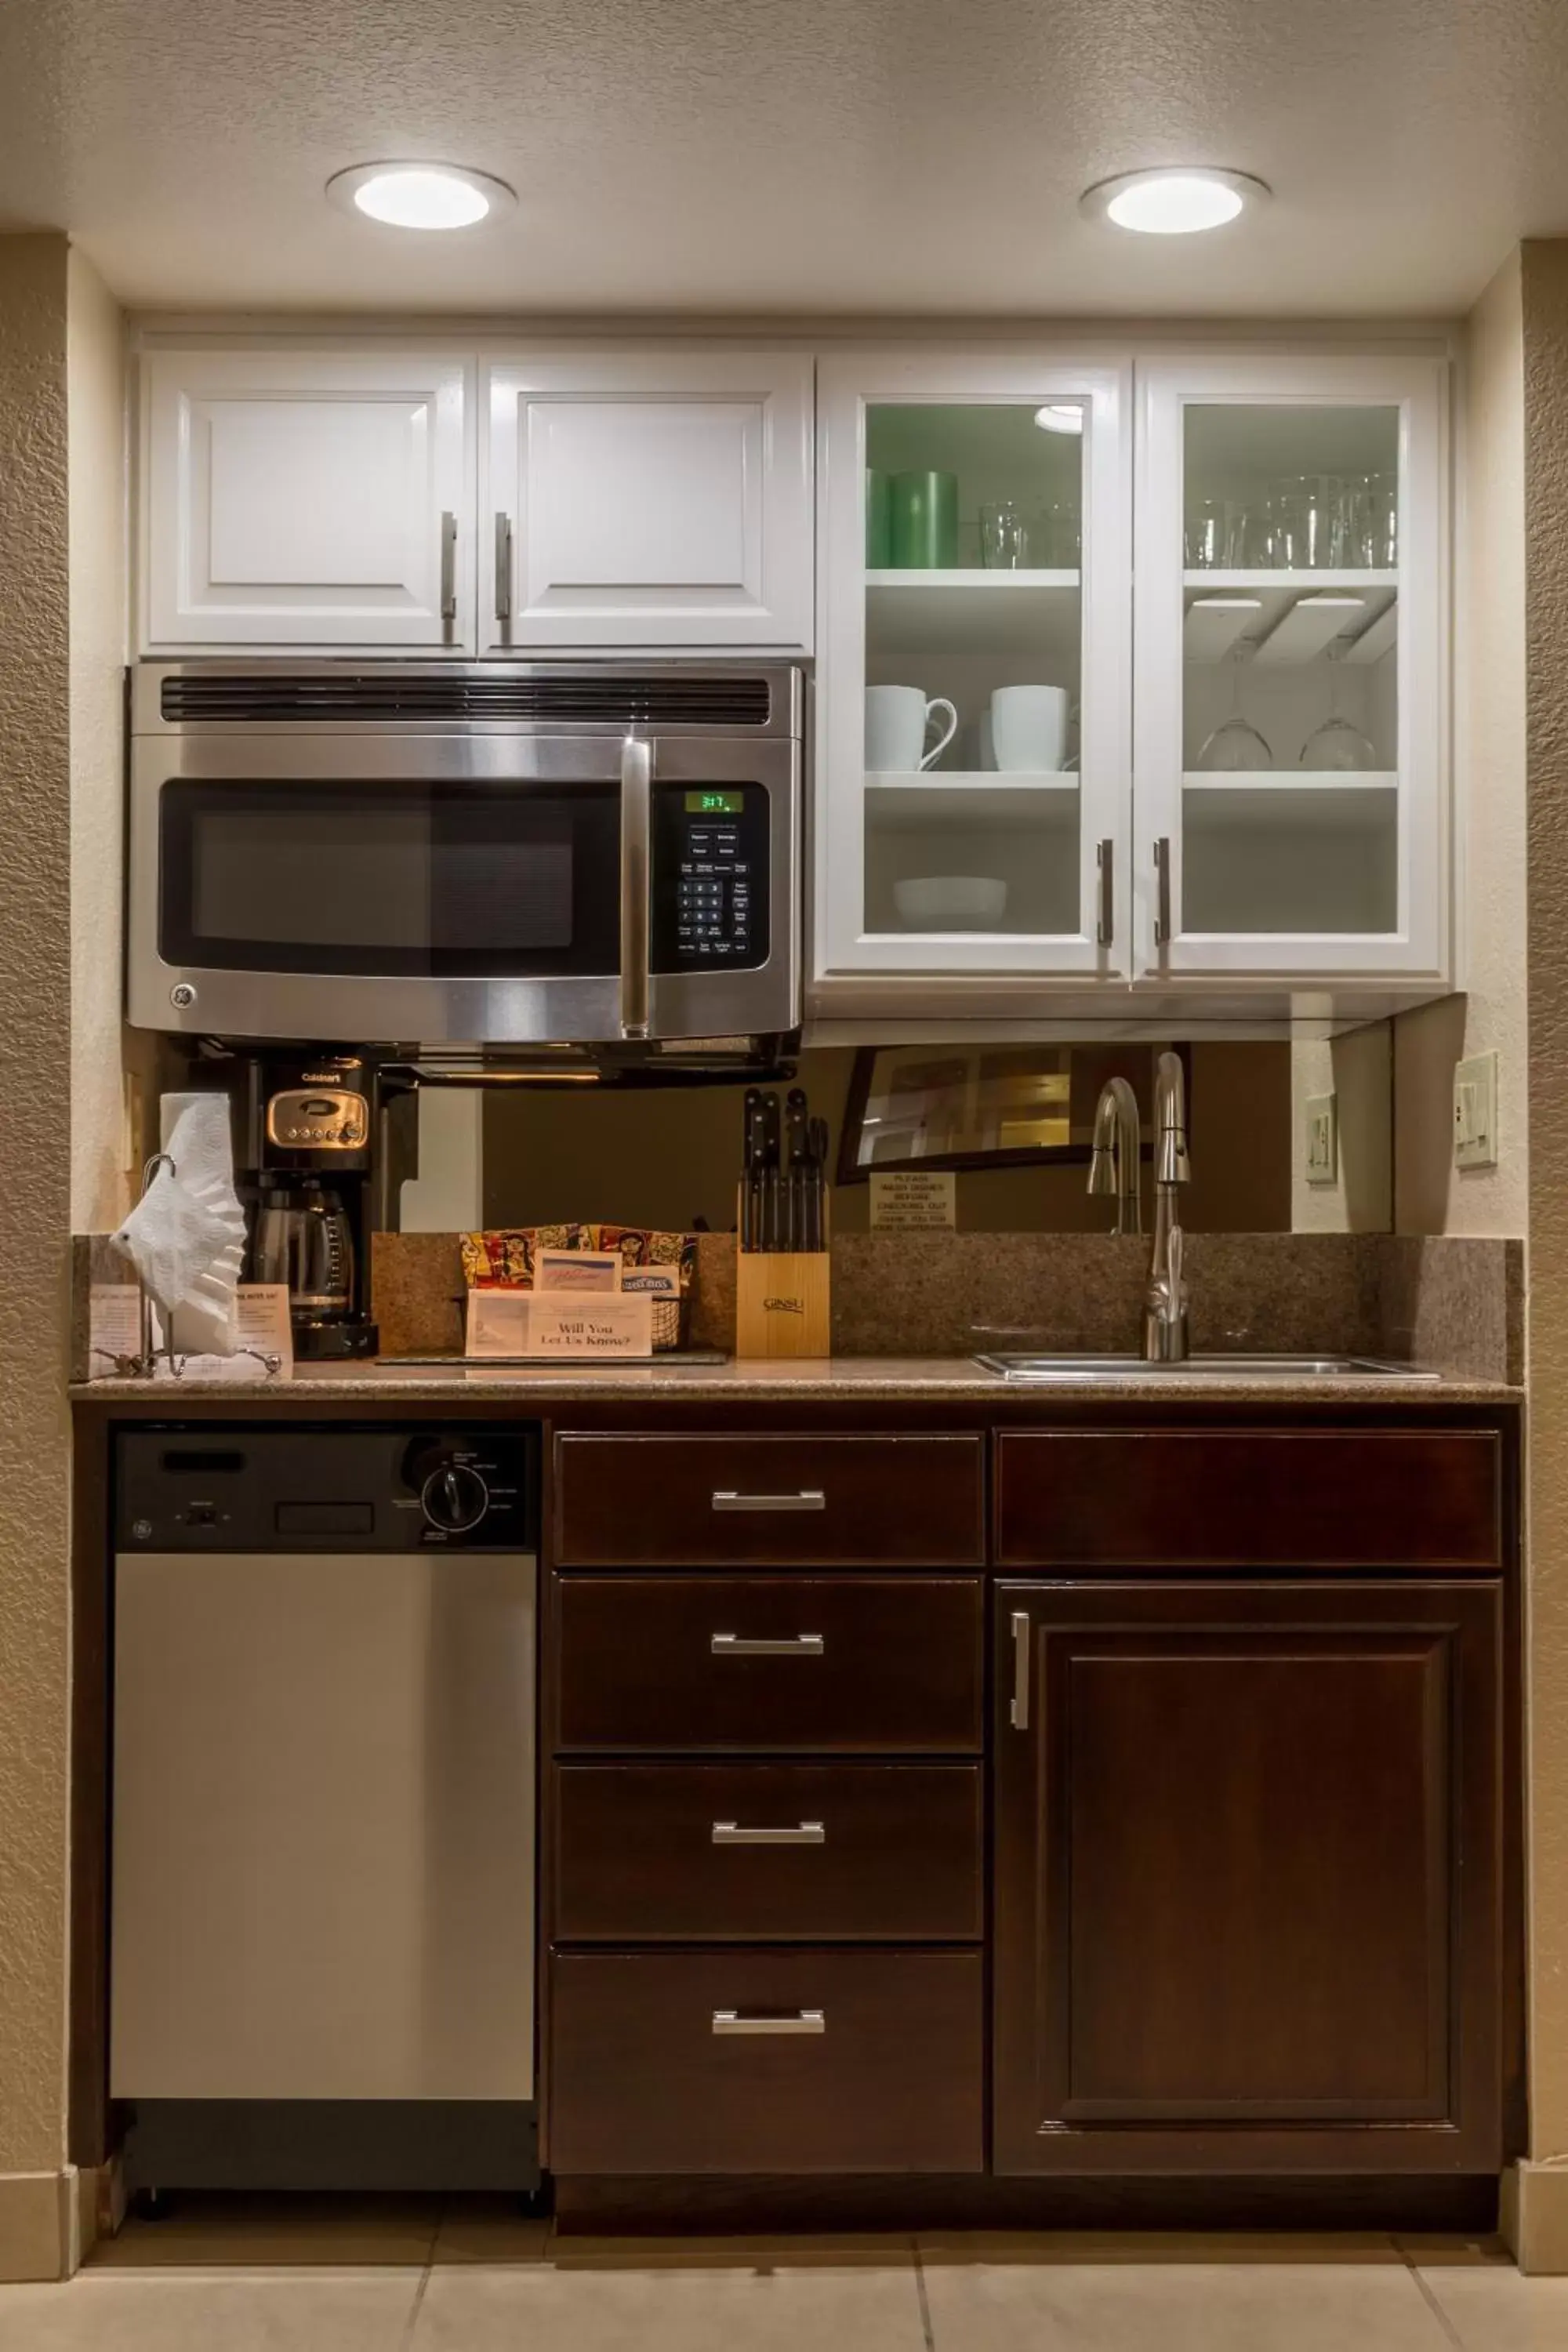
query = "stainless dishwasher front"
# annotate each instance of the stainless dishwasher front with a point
(322, 1859)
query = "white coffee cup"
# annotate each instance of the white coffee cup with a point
(1028, 729)
(898, 720)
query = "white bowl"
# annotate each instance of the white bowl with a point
(950, 902)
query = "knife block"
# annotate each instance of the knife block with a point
(783, 1302)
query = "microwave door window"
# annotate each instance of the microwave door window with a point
(426, 881)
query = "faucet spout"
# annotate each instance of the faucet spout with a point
(1114, 1165)
(1165, 1299)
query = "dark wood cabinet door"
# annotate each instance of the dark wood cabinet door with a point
(1248, 1853)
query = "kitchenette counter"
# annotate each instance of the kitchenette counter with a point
(838, 1379)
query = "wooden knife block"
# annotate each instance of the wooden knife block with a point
(783, 1302)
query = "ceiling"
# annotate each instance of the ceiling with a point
(822, 156)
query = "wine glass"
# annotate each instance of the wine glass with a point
(1338, 747)
(1236, 746)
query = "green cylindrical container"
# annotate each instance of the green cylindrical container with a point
(878, 520)
(925, 521)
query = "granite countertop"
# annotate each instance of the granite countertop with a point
(911, 1379)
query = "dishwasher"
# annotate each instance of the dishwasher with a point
(322, 1909)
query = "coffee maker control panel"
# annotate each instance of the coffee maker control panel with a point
(319, 1119)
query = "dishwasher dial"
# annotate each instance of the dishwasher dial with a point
(455, 1498)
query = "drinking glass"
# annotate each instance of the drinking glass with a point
(1257, 535)
(1373, 508)
(1311, 511)
(1054, 537)
(1003, 537)
(1338, 747)
(1207, 538)
(1235, 748)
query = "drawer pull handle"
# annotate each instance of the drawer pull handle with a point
(808, 1498)
(799, 2021)
(802, 1833)
(1019, 1710)
(791, 1645)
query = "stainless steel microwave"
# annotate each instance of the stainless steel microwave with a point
(466, 854)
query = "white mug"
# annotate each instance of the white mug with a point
(1028, 729)
(897, 719)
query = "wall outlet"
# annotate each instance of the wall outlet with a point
(1322, 1139)
(1475, 1112)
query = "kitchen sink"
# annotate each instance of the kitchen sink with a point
(1200, 1367)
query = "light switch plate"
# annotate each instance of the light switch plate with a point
(1322, 1139)
(1475, 1111)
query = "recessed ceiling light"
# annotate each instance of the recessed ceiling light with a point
(1176, 202)
(420, 195)
(1060, 416)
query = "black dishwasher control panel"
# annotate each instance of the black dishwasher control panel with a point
(324, 1489)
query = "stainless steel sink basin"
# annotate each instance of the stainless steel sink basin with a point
(1200, 1368)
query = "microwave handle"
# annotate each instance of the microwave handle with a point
(636, 817)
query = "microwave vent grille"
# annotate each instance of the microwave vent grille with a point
(556, 700)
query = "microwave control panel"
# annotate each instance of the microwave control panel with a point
(711, 877)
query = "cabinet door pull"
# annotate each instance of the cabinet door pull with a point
(792, 1646)
(1162, 891)
(799, 2021)
(802, 1833)
(504, 567)
(808, 1499)
(1105, 869)
(1020, 1708)
(448, 566)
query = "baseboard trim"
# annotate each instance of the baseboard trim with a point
(1533, 2216)
(40, 2236)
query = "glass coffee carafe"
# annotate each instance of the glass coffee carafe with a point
(304, 1240)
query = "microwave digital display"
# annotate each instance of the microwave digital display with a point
(715, 804)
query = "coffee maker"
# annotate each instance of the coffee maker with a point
(310, 1127)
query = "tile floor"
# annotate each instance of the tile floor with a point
(472, 2275)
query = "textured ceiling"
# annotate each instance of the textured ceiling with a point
(818, 156)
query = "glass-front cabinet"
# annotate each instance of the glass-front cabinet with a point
(1290, 687)
(972, 802)
(1134, 673)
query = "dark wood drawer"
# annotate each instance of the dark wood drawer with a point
(766, 1662)
(781, 1852)
(769, 1502)
(1249, 1498)
(649, 2073)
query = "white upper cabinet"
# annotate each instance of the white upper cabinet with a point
(1290, 757)
(306, 499)
(647, 498)
(972, 810)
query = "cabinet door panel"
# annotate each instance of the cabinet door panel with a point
(650, 500)
(1247, 1907)
(302, 499)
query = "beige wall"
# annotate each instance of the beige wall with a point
(35, 1233)
(1544, 2220)
(95, 378)
(663, 1159)
(1433, 1195)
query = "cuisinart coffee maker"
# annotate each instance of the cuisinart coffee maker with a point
(309, 1182)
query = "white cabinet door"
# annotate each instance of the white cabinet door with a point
(648, 499)
(306, 499)
(1290, 771)
(975, 535)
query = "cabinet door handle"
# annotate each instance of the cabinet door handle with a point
(798, 2021)
(743, 1646)
(504, 567)
(636, 802)
(449, 567)
(802, 1833)
(1105, 870)
(805, 1498)
(1019, 1710)
(1162, 891)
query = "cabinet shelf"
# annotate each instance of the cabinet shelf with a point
(1290, 802)
(1035, 613)
(971, 804)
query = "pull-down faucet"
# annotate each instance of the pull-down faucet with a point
(1113, 1168)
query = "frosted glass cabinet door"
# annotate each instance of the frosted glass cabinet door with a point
(1290, 581)
(647, 498)
(971, 789)
(306, 499)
